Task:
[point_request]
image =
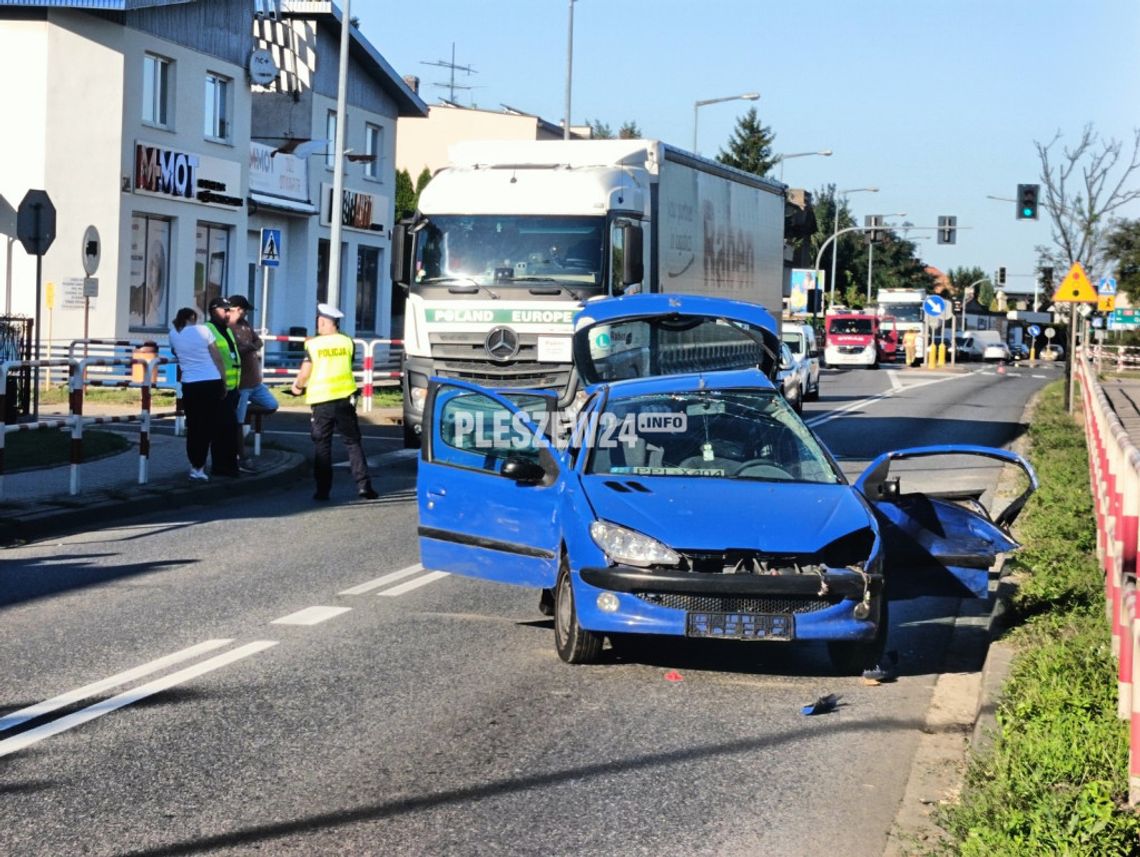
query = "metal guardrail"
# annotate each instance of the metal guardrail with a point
(1114, 472)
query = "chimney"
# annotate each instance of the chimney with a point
(413, 83)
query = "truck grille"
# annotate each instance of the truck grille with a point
(463, 356)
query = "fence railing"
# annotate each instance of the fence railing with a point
(1114, 472)
(1114, 358)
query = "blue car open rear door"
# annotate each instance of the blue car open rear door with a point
(940, 543)
(487, 489)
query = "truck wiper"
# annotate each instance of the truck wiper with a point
(555, 287)
(470, 287)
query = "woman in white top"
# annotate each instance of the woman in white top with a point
(203, 387)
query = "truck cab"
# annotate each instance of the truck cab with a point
(858, 339)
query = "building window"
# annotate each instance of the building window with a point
(157, 84)
(150, 271)
(211, 263)
(322, 270)
(330, 135)
(367, 288)
(374, 149)
(217, 109)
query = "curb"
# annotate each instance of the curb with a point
(68, 514)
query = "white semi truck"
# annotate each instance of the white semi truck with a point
(513, 236)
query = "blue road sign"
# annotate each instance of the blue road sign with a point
(270, 247)
(934, 305)
(1034, 330)
(1106, 286)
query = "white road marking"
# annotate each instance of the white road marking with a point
(310, 616)
(870, 400)
(896, 383)
(33, 736)
(415, 583)
(376, 583)
(65, 699)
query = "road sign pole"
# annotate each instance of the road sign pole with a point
(36, 353)
(264, 311)
(1070, 376)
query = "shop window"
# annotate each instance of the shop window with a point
(374, 149)
(158, 80)
(150, 272)
(211, 263)
(367, 288)
(217, 107)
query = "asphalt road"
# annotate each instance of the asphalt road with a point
(174, 712)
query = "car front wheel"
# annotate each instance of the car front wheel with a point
(574, 643)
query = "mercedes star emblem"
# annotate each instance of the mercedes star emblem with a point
(502, 343)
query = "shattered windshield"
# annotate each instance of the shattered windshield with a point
(505, 250)
(732, 434)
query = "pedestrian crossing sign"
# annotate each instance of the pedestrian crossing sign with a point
(1075, 288)
(270, 247)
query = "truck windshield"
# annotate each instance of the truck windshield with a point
(733, 434)
(904, 312)
(855, 326)
(511, 250)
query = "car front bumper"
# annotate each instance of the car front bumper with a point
(660, 602)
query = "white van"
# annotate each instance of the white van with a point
(801, 341)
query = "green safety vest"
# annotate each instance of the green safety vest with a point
(231, 360)
(331, 377)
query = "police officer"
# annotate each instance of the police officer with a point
(224, 447)
(328, 383)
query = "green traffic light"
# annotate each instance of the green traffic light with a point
(1026, 212)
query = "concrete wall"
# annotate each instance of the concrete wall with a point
(424, 142)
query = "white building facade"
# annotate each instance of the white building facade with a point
(177, 130)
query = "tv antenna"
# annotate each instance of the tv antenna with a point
(451, 85)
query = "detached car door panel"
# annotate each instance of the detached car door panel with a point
(940, 543)
(475, 521)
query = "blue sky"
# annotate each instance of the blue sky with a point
(936, 103)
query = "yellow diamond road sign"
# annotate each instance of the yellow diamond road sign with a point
(1075, 288)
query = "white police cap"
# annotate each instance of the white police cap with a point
(329, 311)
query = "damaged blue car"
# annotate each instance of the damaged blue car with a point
(682, 495)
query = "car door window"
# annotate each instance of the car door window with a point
(479, 433)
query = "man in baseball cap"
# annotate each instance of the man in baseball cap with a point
(240, 302)
(218, 303)
(252, 391)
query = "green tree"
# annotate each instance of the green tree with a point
(599, 130)
(421, 181)
(1122, 248)
(405, 195)
(629, 131)
(964, 278)
(894, 265)
(750, 147)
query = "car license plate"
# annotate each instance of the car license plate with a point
(741, 626)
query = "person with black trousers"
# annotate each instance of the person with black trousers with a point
(224, 447)
(203, 387)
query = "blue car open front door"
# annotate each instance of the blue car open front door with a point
(488, 488)
(940, 543)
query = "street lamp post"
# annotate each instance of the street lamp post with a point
(747, 96)
(835, 233)
(569, 69)
(825, 153)
(871, 253)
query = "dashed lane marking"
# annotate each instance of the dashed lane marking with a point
(34, 736)
(376, 583)
(65, 699)
(310, 616)
(414, 583)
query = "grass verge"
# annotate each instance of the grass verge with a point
(45, 447)
(1055, 780)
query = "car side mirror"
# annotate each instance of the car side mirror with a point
(524, 471)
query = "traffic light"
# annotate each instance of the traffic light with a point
(1001, 276)
(947, 229)
(1027, 201)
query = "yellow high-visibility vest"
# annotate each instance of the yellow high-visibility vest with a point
(331, 377)
(231, 360)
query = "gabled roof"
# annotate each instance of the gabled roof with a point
(327, 13)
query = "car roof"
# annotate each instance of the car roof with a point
(732, 379)
(602, 309)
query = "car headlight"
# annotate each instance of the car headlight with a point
(630, 547)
